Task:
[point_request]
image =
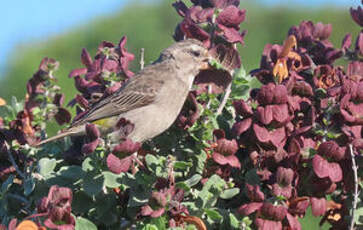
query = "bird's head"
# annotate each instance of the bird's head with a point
(187, 54)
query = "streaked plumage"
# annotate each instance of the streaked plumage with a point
(152, 99)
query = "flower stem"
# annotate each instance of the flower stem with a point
(355, 194)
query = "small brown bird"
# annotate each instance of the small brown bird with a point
(151, 100)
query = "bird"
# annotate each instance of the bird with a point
(151, 100)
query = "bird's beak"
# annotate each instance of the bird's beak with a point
(206, 62)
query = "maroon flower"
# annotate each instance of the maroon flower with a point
(351, 112)
(318, 206)
(156, 206)
(357, 15)
(254, 193)
(189, 114)
(272, 94)
(92, 139)
(283, 187)
(120, 160)
(242, 108)
(331, 150)
(249, 208)
(298, 205)
(263, 224)
(224, 153)
(323, 168)
(274, 212)
(57, 207)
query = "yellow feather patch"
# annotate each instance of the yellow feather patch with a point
(102, 122)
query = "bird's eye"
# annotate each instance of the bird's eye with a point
(195, 53)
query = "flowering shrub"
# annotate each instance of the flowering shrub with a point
(246, 151)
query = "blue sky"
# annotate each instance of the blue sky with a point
(24, 21)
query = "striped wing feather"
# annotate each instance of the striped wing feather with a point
(136, 93)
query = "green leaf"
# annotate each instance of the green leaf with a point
(17, 106)
(71, 172)
(46, 166)
(7, 184)
(233, 221)
(29, 186)
(193, 180)
(229, 193)
(358, 217)
(84, 224)
(183, 185)
(150, 227)
(213, 214)
(216, 64)
(93, 183)
(112, 180)
(182, 165)
(87, 164)
(82, 203)
(159, 222)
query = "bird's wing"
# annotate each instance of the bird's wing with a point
(141, 90)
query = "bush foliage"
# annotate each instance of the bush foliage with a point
(250, 151)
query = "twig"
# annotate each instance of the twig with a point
(12, 161)
(355, 194)
(225, 96)
(228, 91)
(142, 63)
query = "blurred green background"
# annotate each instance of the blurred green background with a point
(151, 26)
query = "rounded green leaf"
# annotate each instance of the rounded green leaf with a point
(84, 224)
(229, 193)
(112, 180)
(46, 166)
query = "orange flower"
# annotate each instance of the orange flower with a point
(280, 69)
(29, 225)
(2, 102)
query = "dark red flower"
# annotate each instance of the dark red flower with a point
(57, 206)
(120, 160)
(298, 205)
(249, 208)
(92, 139)
(63, 116)
(189, 114)
(331, 150)
(323, 168)
(283, 185)
(254, 193)
(263, 224)
(318, 206)
(224, 153)
(272, 94)
(231, 16)
(156, 206)
(357, 15)
(274, 212)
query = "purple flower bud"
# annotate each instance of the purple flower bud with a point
(231, 16)
(318, 206)
(357, 15)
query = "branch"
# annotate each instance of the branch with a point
(355, 194)
(225, 96)
(142, 63)
(228, 91)
(12, 161)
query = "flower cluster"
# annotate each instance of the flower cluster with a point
(297, 128)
